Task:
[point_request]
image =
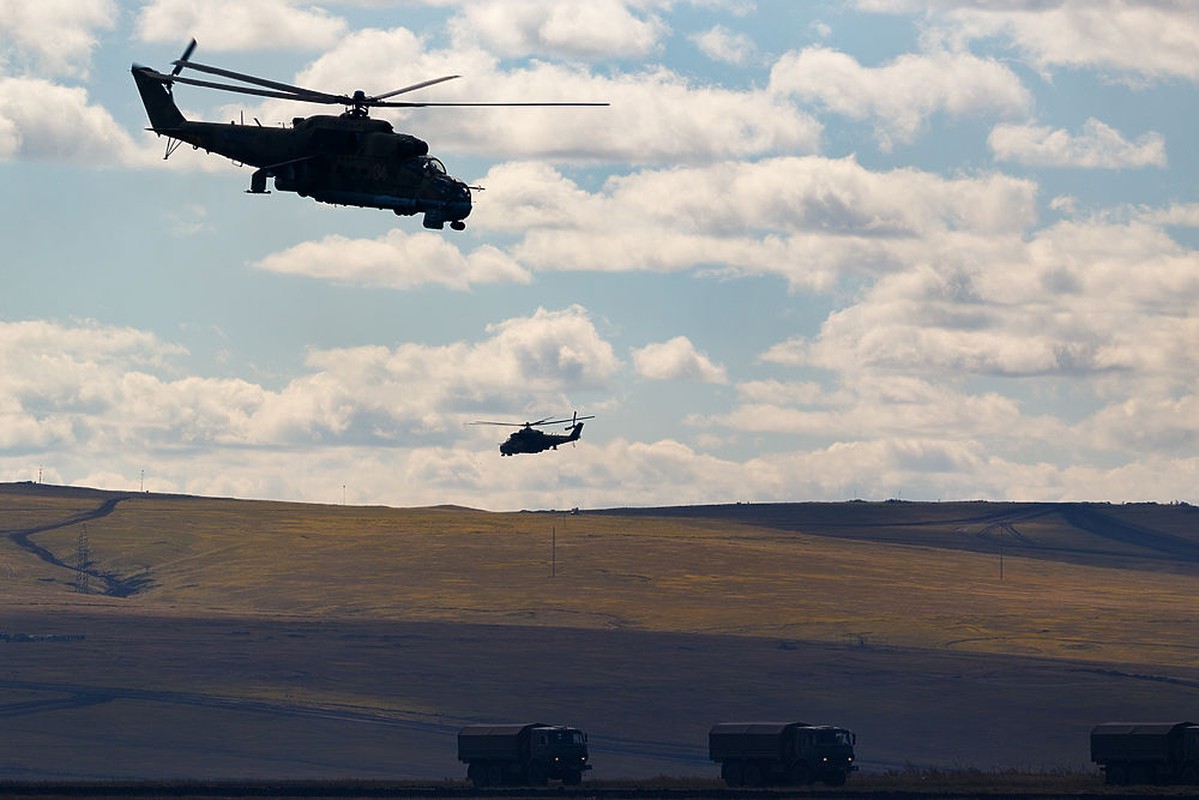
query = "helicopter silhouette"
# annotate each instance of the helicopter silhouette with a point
(349, 159)
(530, 440)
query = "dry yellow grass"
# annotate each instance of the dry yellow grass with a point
(681, 575)
(340, 634)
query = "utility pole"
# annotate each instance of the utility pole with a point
(83, 557)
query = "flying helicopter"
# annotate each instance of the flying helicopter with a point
(530, 440)
(349, 159)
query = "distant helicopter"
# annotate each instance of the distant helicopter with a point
(349, 160)
(530, 440)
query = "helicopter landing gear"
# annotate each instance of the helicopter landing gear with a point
(258, 182)
(458, 225)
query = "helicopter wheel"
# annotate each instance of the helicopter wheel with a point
(458, 225)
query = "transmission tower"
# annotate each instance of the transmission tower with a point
(83, 558)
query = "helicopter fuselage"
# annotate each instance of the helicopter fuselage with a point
(531, 440)
(343, 160)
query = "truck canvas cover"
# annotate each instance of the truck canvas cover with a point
(492, 741)
(1133, 741)
(757, 739)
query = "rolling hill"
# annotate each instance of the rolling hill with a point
(157, 636)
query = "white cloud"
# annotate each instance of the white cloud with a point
(396, 261)
(1149, 39)
(721, 44)
(1097, 146)
(807, 219)
(901, 96)
(654, 116)
(53, 37)
(222, 25)
(42, 121)
(1182, 214)
(94, 389)
(677, 360)
(1076, 299)
(583, 29)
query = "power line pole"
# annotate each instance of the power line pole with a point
(83, 558)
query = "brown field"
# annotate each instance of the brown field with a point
(237, 639)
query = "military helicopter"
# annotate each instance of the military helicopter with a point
(530, 440)
(349, 159)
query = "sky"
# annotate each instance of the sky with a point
(851, 249)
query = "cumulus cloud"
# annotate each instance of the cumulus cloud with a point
(1139, 40)
(396, 261)
(901, 96)
(654, 116)
(94, 388)
(807, 219)
(54, 37)
(1182, 214)
(1097, 146)
(721, 44)
(582, 29)
(1078, 298)
(677, 360)
(222, 25)
(40, 120)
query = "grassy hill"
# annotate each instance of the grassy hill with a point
(226, 638)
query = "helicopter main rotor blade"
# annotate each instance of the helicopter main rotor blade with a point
(572, 420)
(410, 104)
(187, 52)
(414, 87)
(296, 92)
(504, 424)
(238, 89)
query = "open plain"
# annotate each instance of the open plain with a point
(153, 637)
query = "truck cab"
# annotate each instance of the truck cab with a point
(560, 751)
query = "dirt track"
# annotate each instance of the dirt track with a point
(115, 586)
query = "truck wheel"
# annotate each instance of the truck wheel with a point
(495, 775)
(1117, 775)
(476, 773)
(800, 775)
(753, 777)
(537, 775)
(1190, 774)
(732, 774)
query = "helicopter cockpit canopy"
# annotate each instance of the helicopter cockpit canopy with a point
(434, 166)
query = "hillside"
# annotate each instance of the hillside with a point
(226, 638)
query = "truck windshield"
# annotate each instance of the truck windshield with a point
(566, 737)
(833, 737)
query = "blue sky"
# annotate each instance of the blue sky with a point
(811, 251)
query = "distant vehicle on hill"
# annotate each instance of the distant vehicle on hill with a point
(529, 754)
(781, 753)
(1146, 752)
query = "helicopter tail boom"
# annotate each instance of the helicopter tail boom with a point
(164, 115)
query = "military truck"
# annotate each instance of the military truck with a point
(781, 753)
(1147, 752)
(527, 753)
